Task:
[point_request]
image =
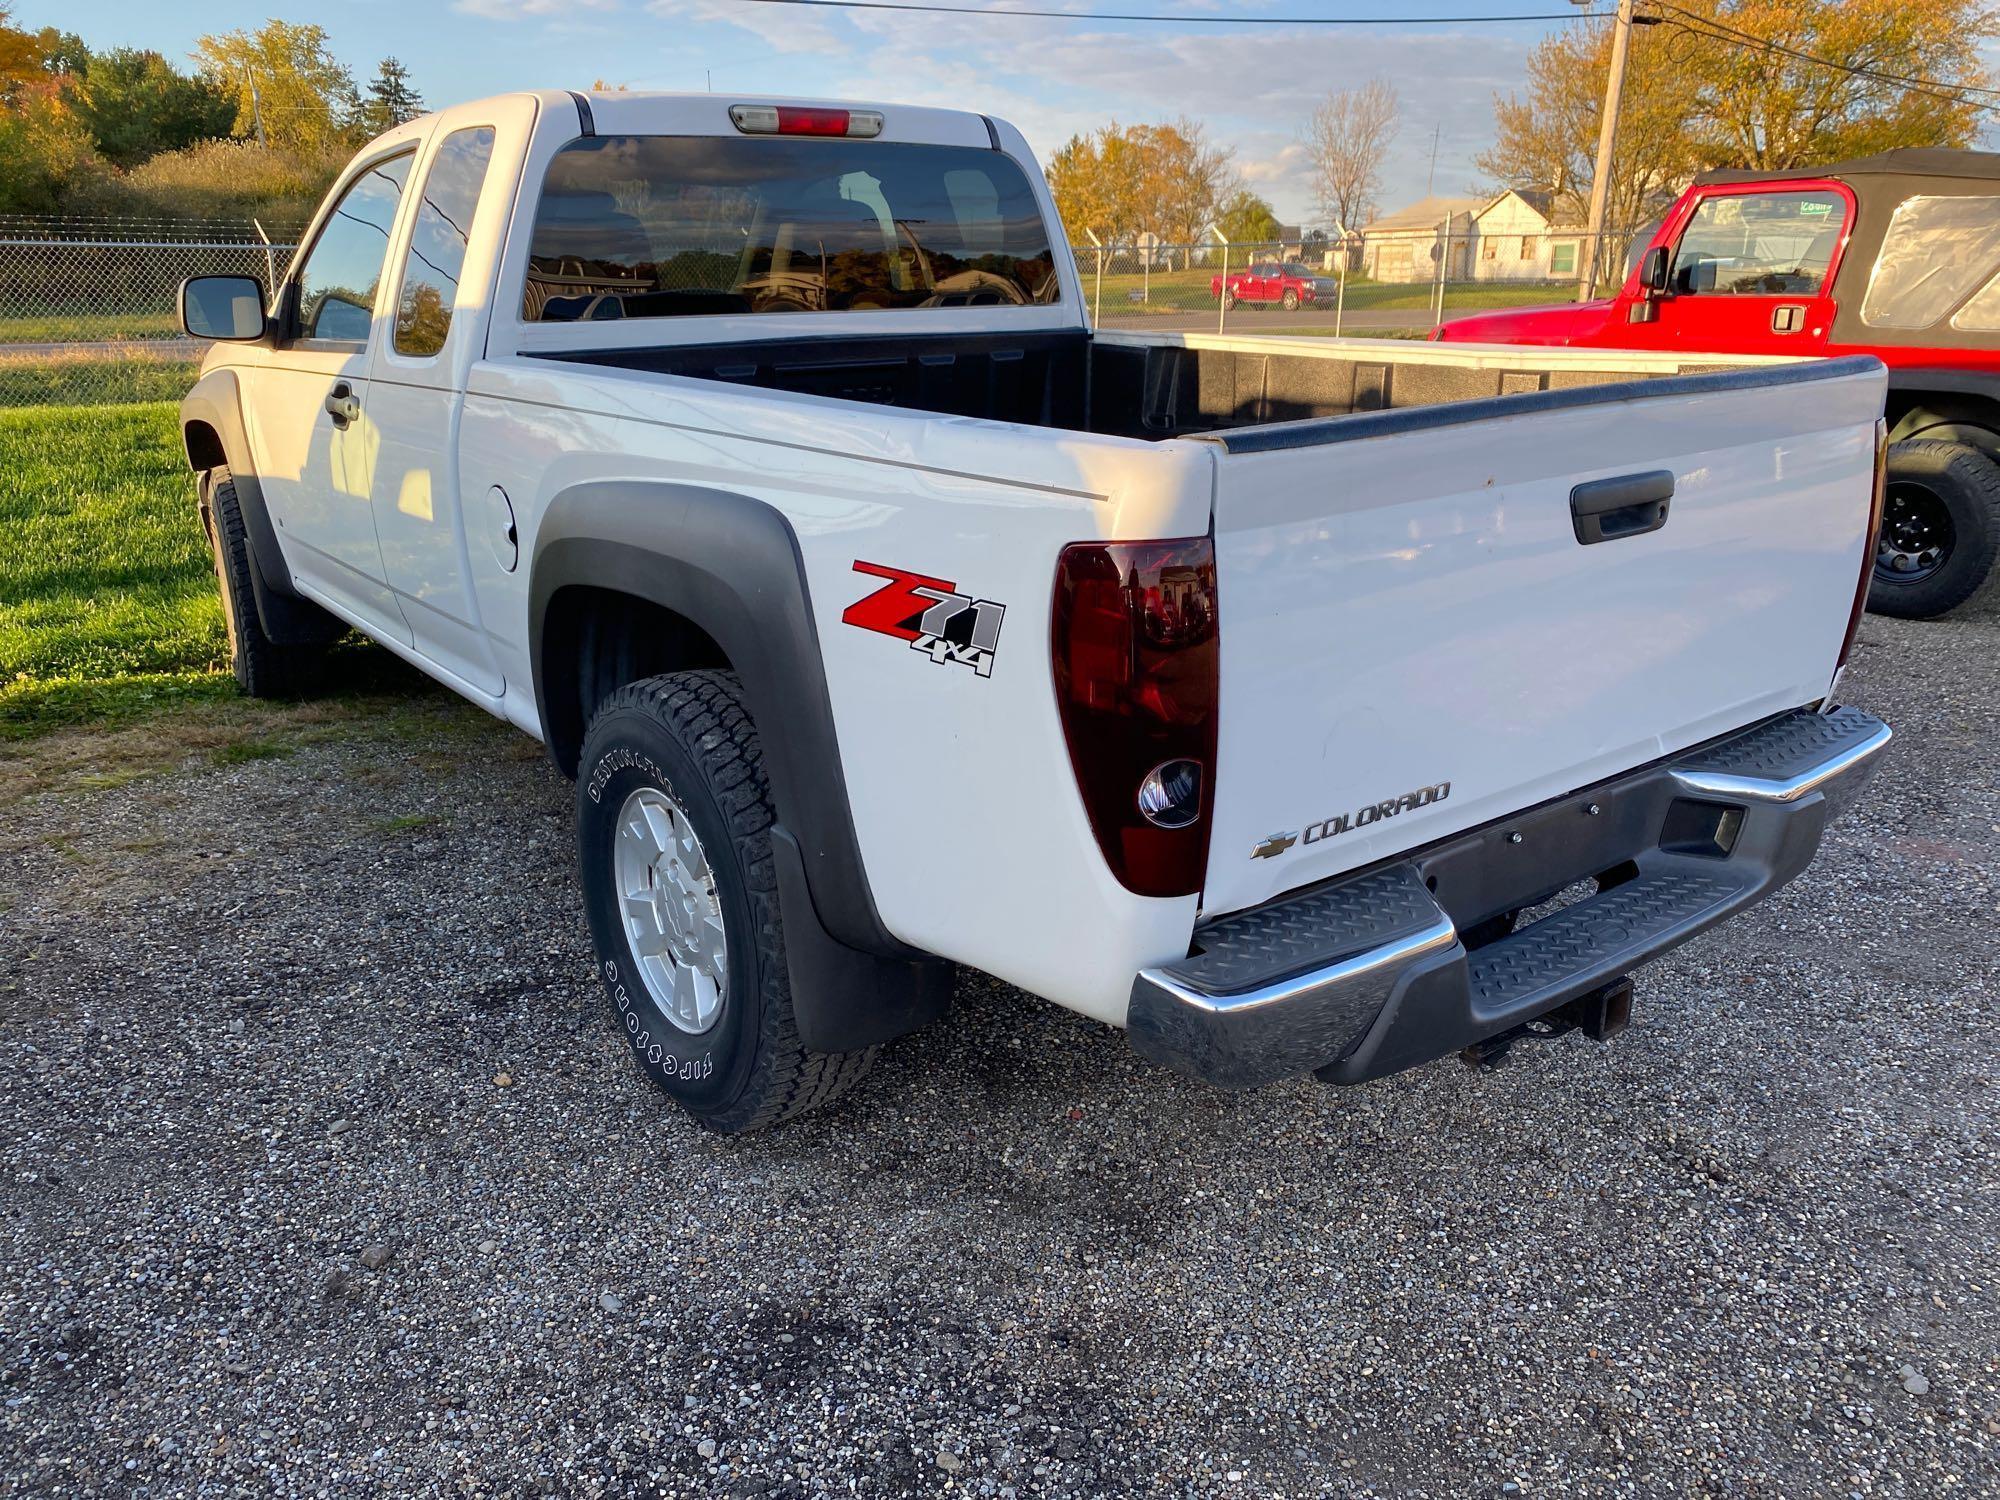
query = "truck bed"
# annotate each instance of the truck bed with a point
(1145, 385)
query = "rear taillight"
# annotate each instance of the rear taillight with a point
(1134, 638)
(799, 119)
(1868, 542)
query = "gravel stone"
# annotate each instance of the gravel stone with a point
(1706, 1258)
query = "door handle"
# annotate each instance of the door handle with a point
(1789, 317)
(342, 404)
(1609, 510)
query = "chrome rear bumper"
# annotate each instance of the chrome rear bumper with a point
(1370, 973)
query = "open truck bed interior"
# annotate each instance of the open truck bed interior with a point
(1144, 385)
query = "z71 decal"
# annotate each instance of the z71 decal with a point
(931, 615)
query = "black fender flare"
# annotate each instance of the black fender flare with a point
(1945, 405)
(731, 565)
(216, 404)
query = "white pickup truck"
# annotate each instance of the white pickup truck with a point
(1298, 705)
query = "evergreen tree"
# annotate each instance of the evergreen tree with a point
(390, 100)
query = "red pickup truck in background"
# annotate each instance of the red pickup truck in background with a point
(1896, 255)
(1286, 283)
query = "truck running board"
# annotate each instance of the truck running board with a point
(1379, 971)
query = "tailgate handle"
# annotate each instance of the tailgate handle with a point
(1608, 510)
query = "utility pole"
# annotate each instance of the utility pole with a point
(1430, 182)
(1607, 140)
(256, 108)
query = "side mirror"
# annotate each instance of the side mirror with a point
(229, 308)
(1653, 270)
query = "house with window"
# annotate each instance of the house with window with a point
(1519, 234)
(1408, 244)
(1519, 238)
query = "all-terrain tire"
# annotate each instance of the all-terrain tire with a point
(263, 668)
(689, 735)
(1961, 487)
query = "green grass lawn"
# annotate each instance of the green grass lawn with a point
(74, 382)
(1188, 291)
(61, 327)
(107, 601)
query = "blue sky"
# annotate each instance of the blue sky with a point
(1251, 85)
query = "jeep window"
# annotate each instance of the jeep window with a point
(670, 226)
(1935, 251)
(338, 277)
(1759, 245)
(437, 240)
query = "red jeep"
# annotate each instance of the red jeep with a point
(1286, 283)
(1897, 256)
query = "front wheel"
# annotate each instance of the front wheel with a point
(264, 668)
(1940, 529)
(1291, 300)
(674, 841)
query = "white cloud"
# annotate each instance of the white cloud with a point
(519, 10)
(783, 28)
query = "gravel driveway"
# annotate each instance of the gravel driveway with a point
(324, 1174)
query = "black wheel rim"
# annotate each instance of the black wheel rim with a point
(1916, 534)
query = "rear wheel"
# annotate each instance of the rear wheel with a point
(674, 839)
(263, 667)
(1228, 299)
(1940, 529)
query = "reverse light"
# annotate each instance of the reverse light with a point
(800, 119)
(1136, 655)
(1869, 541)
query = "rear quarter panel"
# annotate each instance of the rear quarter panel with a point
(965, 808)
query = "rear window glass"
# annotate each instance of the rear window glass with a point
(672, 226)
(1935, 252)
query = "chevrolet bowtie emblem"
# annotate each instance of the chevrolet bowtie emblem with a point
(1272, 845)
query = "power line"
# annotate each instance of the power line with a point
(1184, 20)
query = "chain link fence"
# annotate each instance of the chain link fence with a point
(1400, 283)
(88, 307)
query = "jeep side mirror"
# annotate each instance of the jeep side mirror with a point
(228, 308)
(1653, 270)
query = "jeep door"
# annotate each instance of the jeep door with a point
(1752, 271)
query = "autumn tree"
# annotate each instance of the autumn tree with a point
(1346, 137)
(303, 96)
(44, 148)
(1695, 98)
(1120, 181)
(1758, 107)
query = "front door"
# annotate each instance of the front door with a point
(1752, 272)
(314, 450)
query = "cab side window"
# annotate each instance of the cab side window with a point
(341, 273)
(438, 239)
(1759, 245)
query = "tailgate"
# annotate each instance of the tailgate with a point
(1415, 642)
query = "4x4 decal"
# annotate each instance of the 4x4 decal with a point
(931, 615)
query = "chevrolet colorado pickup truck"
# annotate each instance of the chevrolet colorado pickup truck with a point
(1895, 256)
(1299, 706)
